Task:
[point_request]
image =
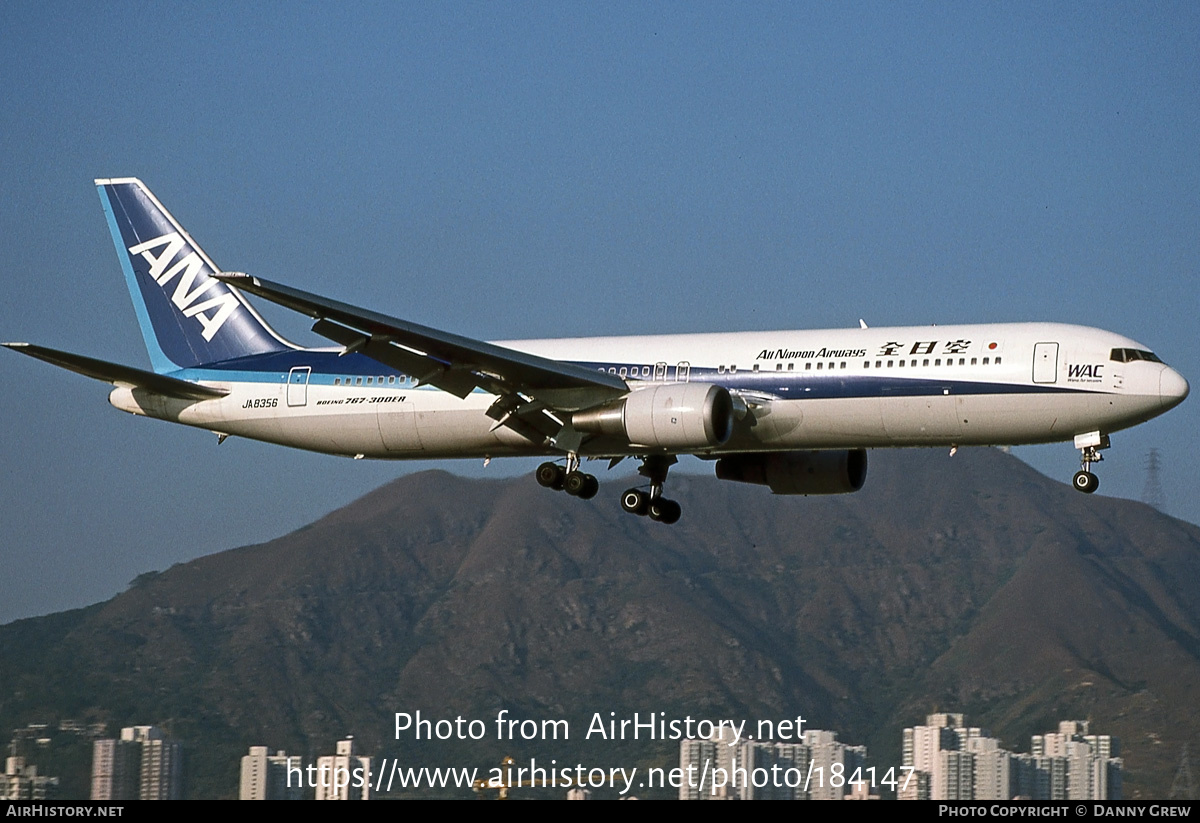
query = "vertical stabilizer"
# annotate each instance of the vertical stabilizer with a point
(188, 317)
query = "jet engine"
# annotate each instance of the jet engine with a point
(680, 417)
(806, 472)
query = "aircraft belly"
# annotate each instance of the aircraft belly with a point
(836, 422)
(398, 428)
(925, 418)
(1047, 418)
(801, 424)
(344, 432)
(465, 432)
(434, 424)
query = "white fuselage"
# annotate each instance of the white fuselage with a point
(822, 389)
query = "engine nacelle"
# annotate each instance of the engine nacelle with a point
(676, 416)
(810, 472)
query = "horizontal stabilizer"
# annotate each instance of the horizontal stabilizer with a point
(119, 375)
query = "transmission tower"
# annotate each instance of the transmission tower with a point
(1152, 494)
(1184, 787)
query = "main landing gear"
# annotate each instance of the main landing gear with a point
(1089, 446)
(568, 478)
(637, 501)
(652, 504)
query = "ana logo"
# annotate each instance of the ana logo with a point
(211, 313)
(1092, 371)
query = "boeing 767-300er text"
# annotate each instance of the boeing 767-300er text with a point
(791, 410)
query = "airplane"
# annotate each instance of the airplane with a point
(794, 411)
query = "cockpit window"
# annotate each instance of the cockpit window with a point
(1130, 355)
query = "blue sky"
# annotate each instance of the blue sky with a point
(524, 170)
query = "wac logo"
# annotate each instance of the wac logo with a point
(1085, 371)
(210, 313)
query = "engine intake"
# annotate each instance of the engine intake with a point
(676, 416)
(808, 472)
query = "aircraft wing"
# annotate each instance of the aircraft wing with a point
(529, 388)
(119, 375)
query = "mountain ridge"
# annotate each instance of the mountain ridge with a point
(970, 584)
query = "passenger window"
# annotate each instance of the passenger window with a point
(819, 365)
(973, 361)
(985, 361)
(843, 365)
(733, 367)
(890, 363)
(866, 364)
(358, 381)
(901, 364)
(808, 366)
(878, 363)
(778, 367)
(337, 381)
(756, 367)
(997, 361)
(624, 371)
(791, 366)
(391, 379)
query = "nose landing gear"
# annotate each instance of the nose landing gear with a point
(1085, 481)
(1089, 446)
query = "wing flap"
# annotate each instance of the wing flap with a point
(422, 367)
(119, 375)
(448, 361)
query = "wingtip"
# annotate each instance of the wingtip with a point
(15, 345)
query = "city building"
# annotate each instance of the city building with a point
(116, 766)
(265, 776)
(345, 775)
(958, 762)
(143, 764)
(819, 768)
(21, 781)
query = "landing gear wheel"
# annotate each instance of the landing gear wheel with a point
(1086, 482)
(577, 484)
(590, 488)
(665, 511)
(635, 501)
(550, 475)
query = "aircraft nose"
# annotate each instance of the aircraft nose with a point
(1172, 388)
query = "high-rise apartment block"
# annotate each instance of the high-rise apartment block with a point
(21, 781)
(143, 764)
(819, 768)
(265, 776)
(964, 763)
(345, 775)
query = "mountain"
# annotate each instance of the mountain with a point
(967, 584)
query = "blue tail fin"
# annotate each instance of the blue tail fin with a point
(188, 317)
